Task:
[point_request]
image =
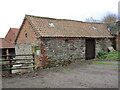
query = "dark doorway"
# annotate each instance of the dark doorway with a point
(90, 49)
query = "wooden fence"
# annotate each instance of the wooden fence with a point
(10, 63)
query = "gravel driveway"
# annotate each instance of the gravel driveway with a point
(76, 75)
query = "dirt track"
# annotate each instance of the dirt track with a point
(77, 75)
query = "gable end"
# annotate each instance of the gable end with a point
(26, 33)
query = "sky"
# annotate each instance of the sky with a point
(12, 12)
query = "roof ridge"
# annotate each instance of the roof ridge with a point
(52, 18)
(63, 19)
(94, 22)
(14, 28)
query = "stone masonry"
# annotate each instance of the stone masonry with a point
(25, 48)
(58, 51)
(103, 44)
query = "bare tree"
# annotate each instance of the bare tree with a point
(110, 21)
(91, 19)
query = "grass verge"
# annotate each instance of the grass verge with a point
(105, 63)
(116, 69)
(66, 69)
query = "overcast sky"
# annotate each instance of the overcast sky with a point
(12, 12)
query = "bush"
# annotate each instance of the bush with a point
(109, 55)
(102, 55)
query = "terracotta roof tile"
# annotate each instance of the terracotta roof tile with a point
(15, 30)
(11, 35)
(67, 28)
(6, 44)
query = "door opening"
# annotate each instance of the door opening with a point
(90, 49)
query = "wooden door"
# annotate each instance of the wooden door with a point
(90, 49)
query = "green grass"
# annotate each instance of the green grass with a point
(109, 56)
(105, 63)
(113, 56)
(116, 69)
(66, 69)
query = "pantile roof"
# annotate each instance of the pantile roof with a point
(51, 27)
(11, 35)
(5, 44)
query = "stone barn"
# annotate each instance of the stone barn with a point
(59, 40)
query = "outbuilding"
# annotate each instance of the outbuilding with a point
(59, 40)
(7, 45)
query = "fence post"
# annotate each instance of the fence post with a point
(8, 57)
(33, 61)
(10, 66)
